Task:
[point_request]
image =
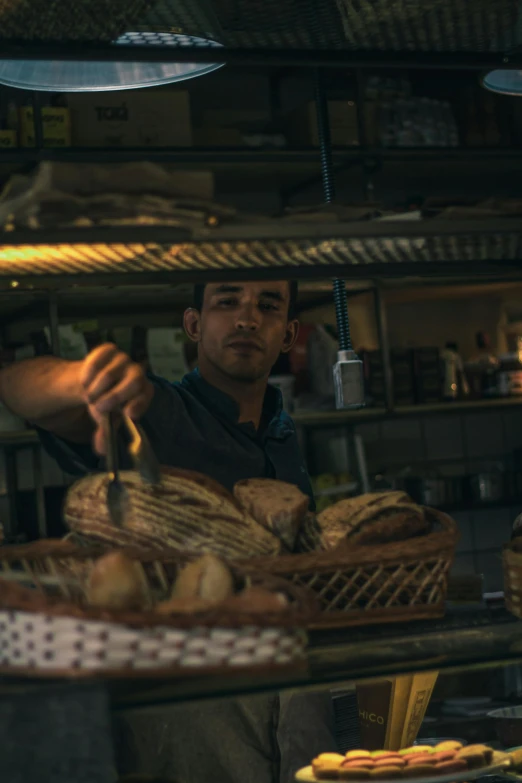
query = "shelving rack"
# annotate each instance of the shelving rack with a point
(467, 34)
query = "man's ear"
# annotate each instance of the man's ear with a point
(192, 324)
(291, 335)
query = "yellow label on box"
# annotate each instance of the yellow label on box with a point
(8, 139)
(56, 126)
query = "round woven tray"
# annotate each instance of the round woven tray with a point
(46, 628)
(364, 585)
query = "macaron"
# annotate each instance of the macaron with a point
(450, 767)
(326, 765)
(358, 764)
(416, 749)
(419, 758)
(353, 773)
(385, 773)
(448, 745)
(486, 751)
(378, 754)
(390, 761)
(444, 755)
(473, 758)
(357, 754)
(418, 771)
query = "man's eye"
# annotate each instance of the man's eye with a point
(267, 306)
(227, 302)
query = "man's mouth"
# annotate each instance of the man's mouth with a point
(246, 346)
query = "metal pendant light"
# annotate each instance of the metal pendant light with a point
(165, 25)
(507, 82)
(504, 82)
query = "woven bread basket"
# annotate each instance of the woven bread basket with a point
(364, 585)
(46, 628)
(512, 567)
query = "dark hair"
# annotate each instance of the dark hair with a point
(199, 291)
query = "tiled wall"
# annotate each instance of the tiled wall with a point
(450, 445)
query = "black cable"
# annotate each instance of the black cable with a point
(325, 148)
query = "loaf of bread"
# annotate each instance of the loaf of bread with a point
(374, 518)
(186, 512)
(309, 538)
(117, 582)
(207, 578)
(278, 506)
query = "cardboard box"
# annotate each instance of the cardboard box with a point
(302, 129)
(134, 118)
(391, 711)
(56, 126)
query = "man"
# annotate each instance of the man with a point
(223, 420)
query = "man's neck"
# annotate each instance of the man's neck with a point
(248, 395)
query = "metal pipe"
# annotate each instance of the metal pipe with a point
(384, 344)
(325, 150)
(37, 120)
(54, 324)
(39, 491)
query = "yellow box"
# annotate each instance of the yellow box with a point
(136, 118)
(56, 126)
(391, 711)
(8, 139)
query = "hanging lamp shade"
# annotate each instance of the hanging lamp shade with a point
(504, 82)
(167, 24)
(509, 81)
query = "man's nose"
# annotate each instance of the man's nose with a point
(247, 317)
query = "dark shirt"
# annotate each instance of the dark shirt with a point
(195, 426)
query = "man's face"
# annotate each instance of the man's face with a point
(243, 327)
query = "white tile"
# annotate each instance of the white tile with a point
(489, 564)
(3, 477)
(466, 542)
(463, 565)
(24, 469)
(491, 528)
(402, 439)
(512, 421)
(484, 434)
(443, 437)
(52, 474)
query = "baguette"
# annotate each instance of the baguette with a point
(278, 506)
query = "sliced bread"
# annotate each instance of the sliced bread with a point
(278, 506)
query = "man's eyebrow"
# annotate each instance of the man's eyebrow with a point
(227, 289)
(276, 295)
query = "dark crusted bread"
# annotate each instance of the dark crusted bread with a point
(186, 512)
(375, 518)
(278, 506)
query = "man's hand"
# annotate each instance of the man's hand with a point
(111, 381)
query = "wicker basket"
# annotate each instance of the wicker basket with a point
(512, 566)
(393, 583)
(45, 627)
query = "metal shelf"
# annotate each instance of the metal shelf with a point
(327, 32)
(244, 156)
(466, 639)
(268, 249)
(332, 418)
